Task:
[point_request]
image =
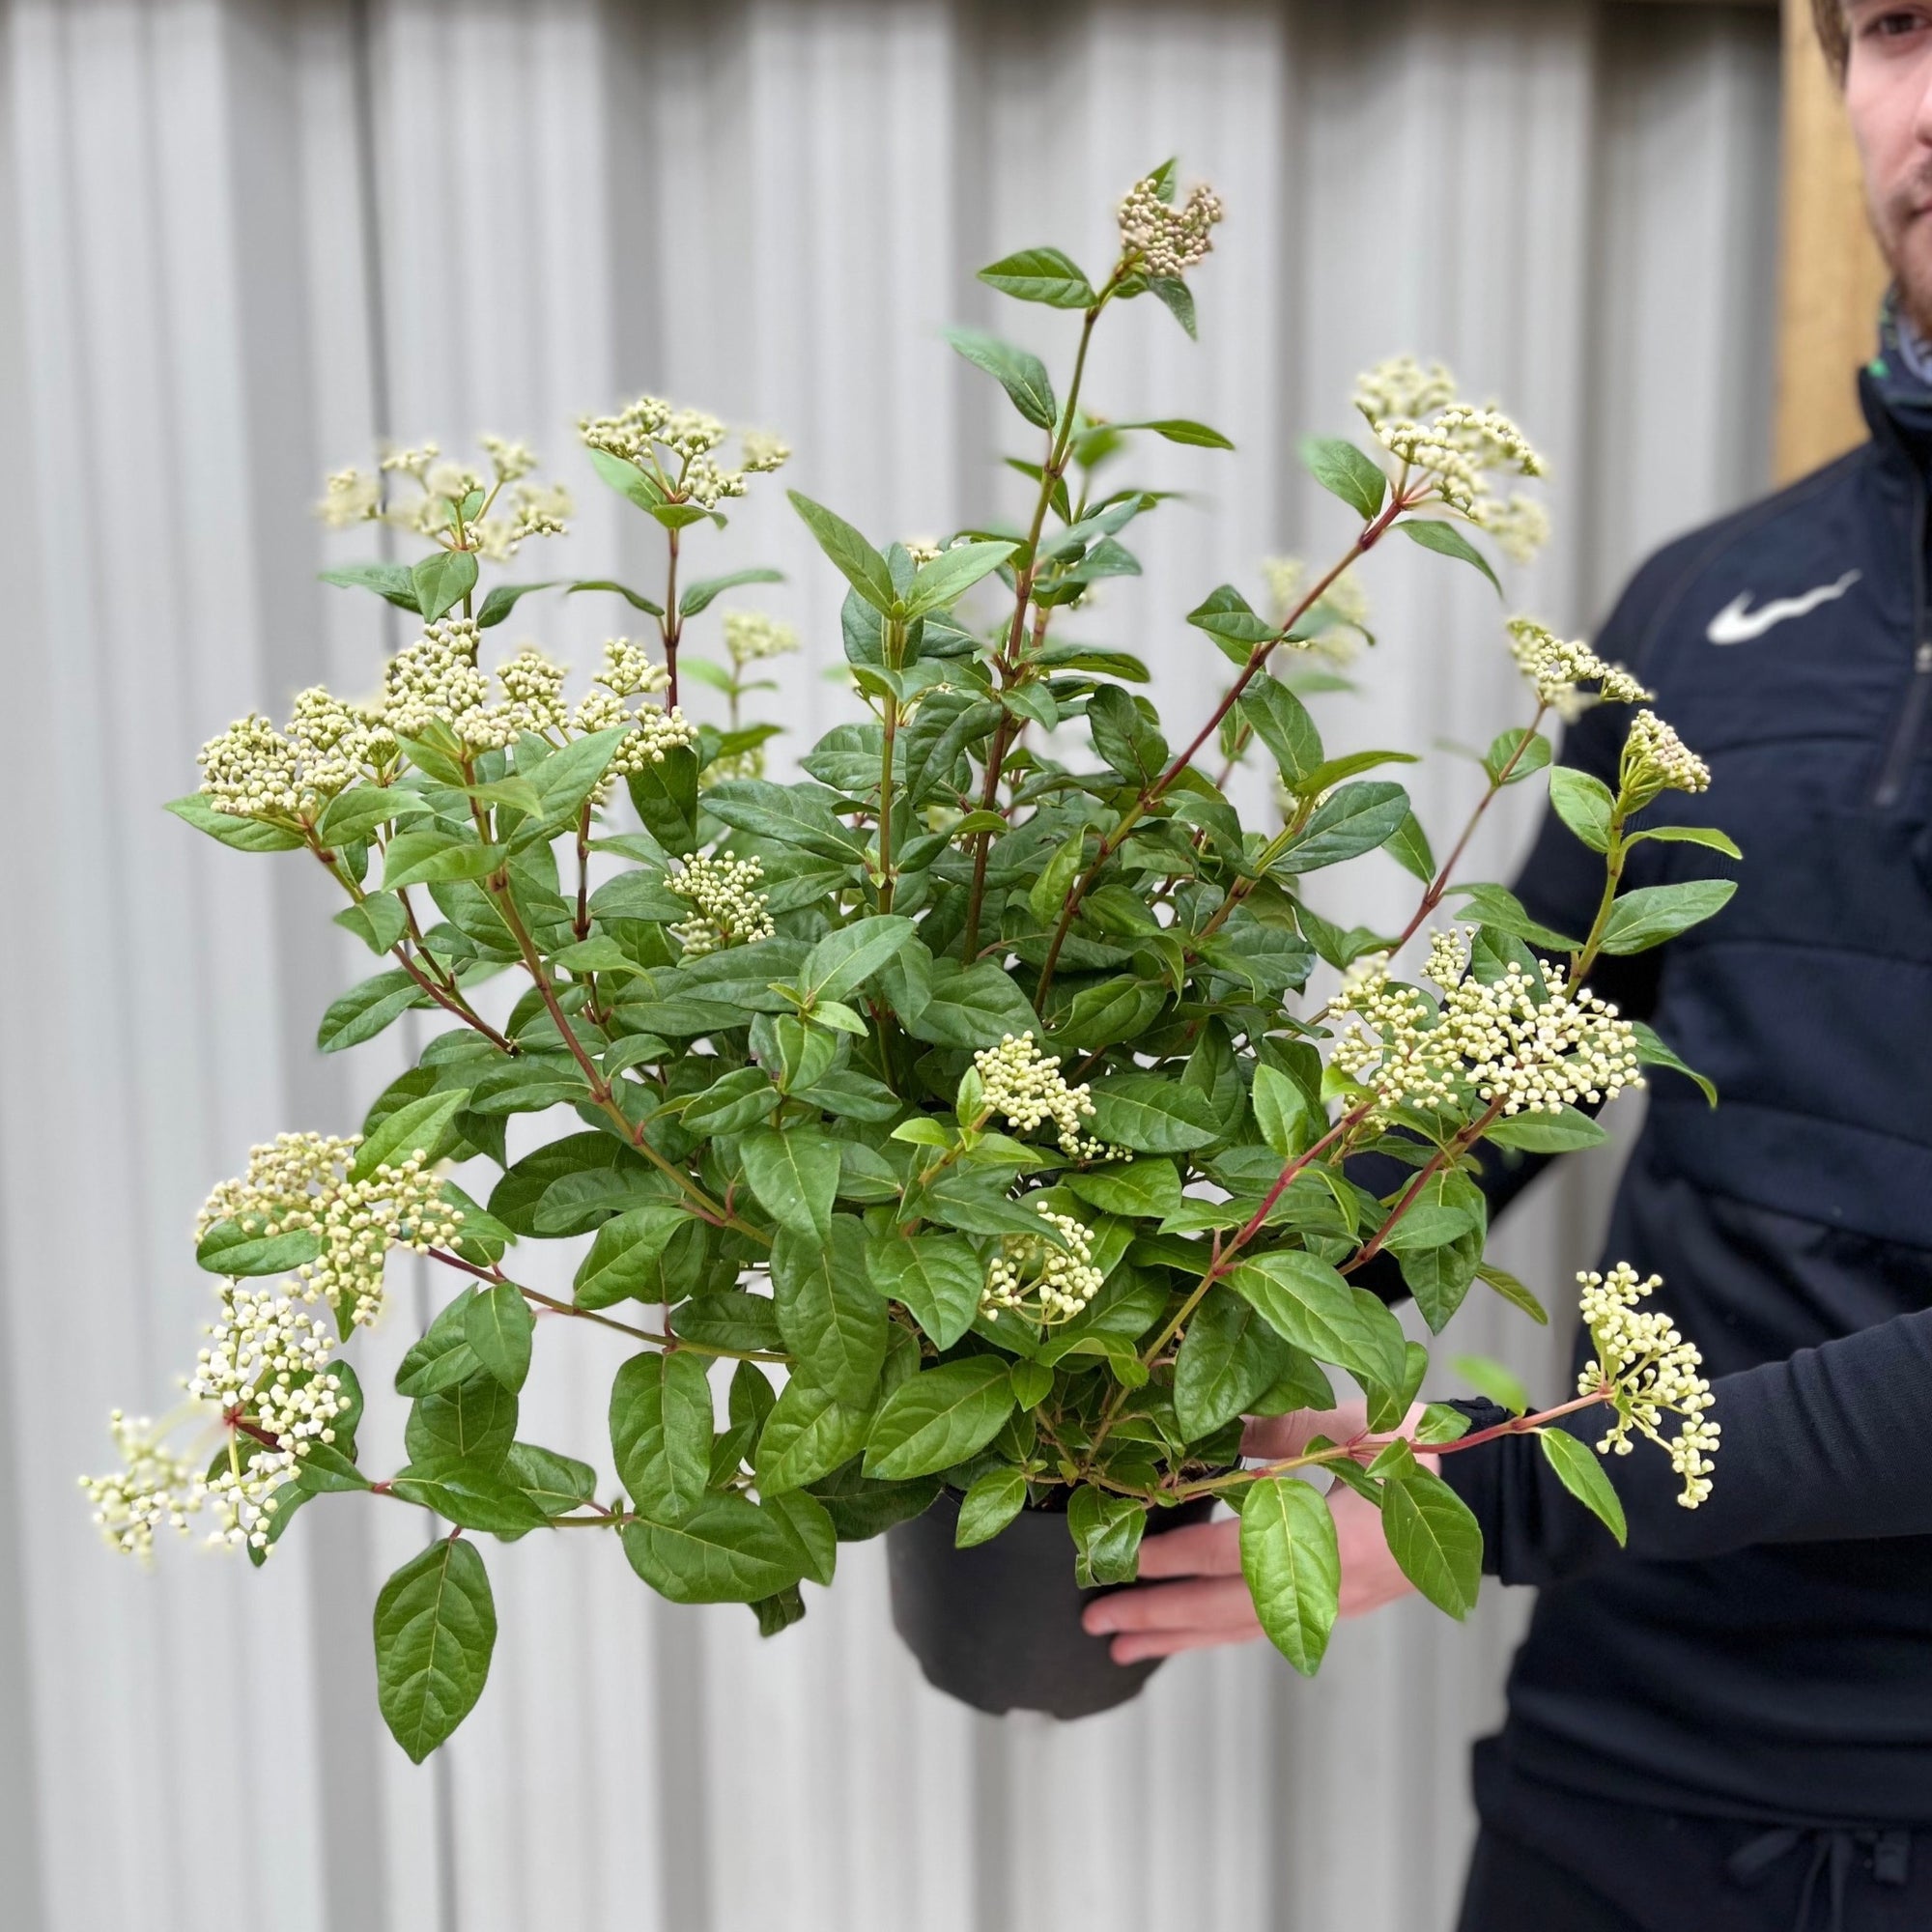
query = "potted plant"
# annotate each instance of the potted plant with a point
(951, 1133)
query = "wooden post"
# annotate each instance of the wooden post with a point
(1830, 274)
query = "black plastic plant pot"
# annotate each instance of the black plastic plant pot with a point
(998, 1626)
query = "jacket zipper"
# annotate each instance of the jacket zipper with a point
(1905, 738)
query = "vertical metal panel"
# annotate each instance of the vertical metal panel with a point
(243, 248)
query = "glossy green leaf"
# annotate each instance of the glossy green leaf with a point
(435, 1628)
(794, 1174)
(1292, 1564)
(1153, 1115)
(1651, 1051)
(1652, 913)
(660, 1431)
(1580, 1472)
(1040, 275)
(701, 596)
(857, 562)
(1344, 471)
(1305, 1301)
(726, 1551)
(939, 1417)
(1106, 1531)
(415, 1127)
(808, 1434)
(1229, 1356)
(1446, 540)
(988, 1506)
(1584, 803)
(937, 1278)
(1022, 374)
(389, 580)
(1435, 1541)
(442, 582)
(229, 1248)
(832, 1318)
(242, 835)
(498, 1325)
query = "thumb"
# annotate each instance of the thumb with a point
(1273, 1438)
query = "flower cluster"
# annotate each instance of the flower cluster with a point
(1169, 240)
(1025, 1088)
(1656, 760)
(628, 669)
(253, 771)
(1535, 1049)
(1653, 1372)
(532, 688)
(675, 446)
(301, 1183)
(1558, 667)
(438, 676)
(749, 636)
(264, 1378)
(1041, 1278)
(1343, 611)
(1419, 418)
(455, 500)
(728, 907)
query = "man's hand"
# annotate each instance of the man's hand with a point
(1212, 1605)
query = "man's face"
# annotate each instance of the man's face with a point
(1889, 94)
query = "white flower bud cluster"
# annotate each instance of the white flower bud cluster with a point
(1557, 668)
(349, 497)
(1417, 416)
(409, 462)
(508, 460)
(451, 480)
(677, 445)
(1035, 1278)
(1169, 240)
(1287, 578)
(533, 694)
(1656, 760)
(1655, 1373)
(728, 907)
(301, 1181)
(438, 678)
(1536, 1052)
(1025, 1088)
(628, 669)
(153, 1487)
(253, 771)
(749, 636)
(658, 732)
(444, 485)
(923, 550)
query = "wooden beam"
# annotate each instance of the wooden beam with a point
(1831, 275)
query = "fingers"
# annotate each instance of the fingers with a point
(1272, 1438)
(1159, 1619)
(1198, 1549)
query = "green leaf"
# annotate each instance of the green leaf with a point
(1177, 298)
(1353, 821)
(1435, 1541)
(364, 1010)
(1584, 803)
(392, 581)
(628, 480)
(472, 1497)
(378, 921)
(661, 1432)
(636, 599)
(1502, 1385)
(846, 958)
(498, 1324)
(1546, 1133)
(1152, 1114)
(939, 1417)
(1280, 722)
(241, 835)
(1492, 906)
(436, 1626)
(1227, 1357)
(1139, 1187)
(1282, 1112)
(1514, 1292)
(808, 1434)
(951, 574)
(729, 1319)
(352, 815)
(1520, 752)
(1184, 429)
(622, 1263)
(1706, 836)
(502, 600)
(937, 1278)
(1446, 540)
(421, 858)
(726, 1551)
(1653, 914)
(231, 1249)
(988, 1506)
(811, 1528)
(857, 562)
(442, 1356)
(1292, 1564)
(1023, 376)
(1126, 735)
(794, 1174)
(833, 1319)
(1409, 849)
(566, 777)
(973, 1009)
(442, 582)
(1305, 1301)
(1651, 1051)
(473, 1423)
(1224, 612)
(555, 1483)
(1040, 275)
(1344, 471)
(1580, 1472)
(700, 596)
(415, 1128)
(1033, 1382)
(325, 1470)
(1106, 1531)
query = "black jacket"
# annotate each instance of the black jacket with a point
(1769, 1654)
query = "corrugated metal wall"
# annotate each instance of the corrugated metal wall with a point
(240, 242)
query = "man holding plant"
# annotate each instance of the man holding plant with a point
(1730, 1721)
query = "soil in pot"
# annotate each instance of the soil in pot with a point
(998, 1626)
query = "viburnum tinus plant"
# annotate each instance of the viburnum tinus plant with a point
(960, 1097)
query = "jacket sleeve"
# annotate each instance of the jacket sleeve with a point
(1831, 1445)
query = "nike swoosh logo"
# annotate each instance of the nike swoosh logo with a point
(1738, 624)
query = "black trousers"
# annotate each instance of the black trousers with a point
(1551, 1860)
